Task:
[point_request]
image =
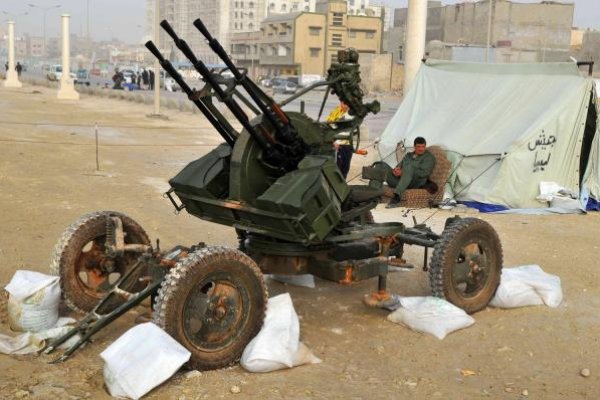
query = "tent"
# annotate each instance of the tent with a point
(506, 127)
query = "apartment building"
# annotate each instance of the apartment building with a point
(307, 43)
(216, 15)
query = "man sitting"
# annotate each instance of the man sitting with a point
(411, 173)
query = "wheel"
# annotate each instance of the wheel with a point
(466, 264)
(213, 302)
(85, 271)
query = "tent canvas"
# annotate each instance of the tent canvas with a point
(506, 128)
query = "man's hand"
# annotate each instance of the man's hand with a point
(397, 172)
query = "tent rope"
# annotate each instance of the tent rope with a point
(465, 187)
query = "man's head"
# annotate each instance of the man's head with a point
(420, 145)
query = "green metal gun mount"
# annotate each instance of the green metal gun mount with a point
(277, 184)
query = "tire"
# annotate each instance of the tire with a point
(469, 285)
(215, 289)
(69, 263)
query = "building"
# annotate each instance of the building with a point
(35, 46)
(358, 7)
(590, 47)
(181, 14)
(306, 43)
(245, 51)
(522, 28)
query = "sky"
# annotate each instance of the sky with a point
(126, 19)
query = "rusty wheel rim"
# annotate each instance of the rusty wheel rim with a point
(471, 269)
(213, 315)
(95, 272)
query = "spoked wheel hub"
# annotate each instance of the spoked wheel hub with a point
(471, 270)
(86, 266)
(213, 315)
(466, 264)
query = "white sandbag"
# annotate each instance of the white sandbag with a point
(277, 345)
(430, 315)
(141, 359)
(32, 342)
(33, 301)
(527, 285)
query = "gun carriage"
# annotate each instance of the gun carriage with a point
(276, 183)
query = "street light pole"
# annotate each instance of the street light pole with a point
(44, 10)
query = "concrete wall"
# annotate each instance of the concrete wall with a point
(525, 26)
(397, 77)
(591, 47)
(376, 71)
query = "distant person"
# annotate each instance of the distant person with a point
(151, 80)
(343, 148)
(19, 68)
(145, 78)
(6, 66)
(139, 80)
(118, 79)
(411, 173)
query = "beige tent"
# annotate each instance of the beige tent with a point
(506, 127)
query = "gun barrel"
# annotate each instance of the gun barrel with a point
(224, 130)
(274, 114)
(235, 108)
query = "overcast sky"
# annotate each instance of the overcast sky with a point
(126, 19)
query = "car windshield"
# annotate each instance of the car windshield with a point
(59, 69)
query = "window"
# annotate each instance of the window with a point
(284, 7)
(314, 31)
(251, 26)
(352, 33)
(369, 34)
(336, 39)
(315, 51)
(251, 5)
(338, 19)
(251, 14)
(235, 25)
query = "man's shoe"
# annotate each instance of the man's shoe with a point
(393, 204)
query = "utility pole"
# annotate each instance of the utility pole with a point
(156, 64)
(489, 31)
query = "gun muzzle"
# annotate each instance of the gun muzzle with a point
(154, 50)
(202, 28)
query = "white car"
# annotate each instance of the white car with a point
(55, 73)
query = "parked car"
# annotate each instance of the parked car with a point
(82, 73)
(286, 87)
(55, 73)
(129, 76)
(267, 82)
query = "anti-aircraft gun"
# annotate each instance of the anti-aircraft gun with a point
(276, 182)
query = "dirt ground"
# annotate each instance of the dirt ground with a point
(48, 179)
